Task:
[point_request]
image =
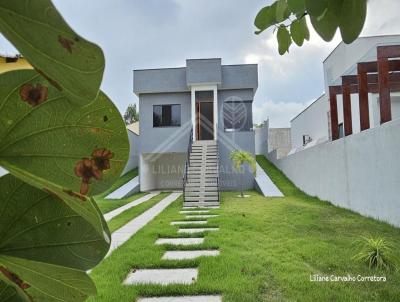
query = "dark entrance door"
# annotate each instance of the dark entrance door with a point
(204, 121)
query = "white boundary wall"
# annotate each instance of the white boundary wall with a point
(360, 172)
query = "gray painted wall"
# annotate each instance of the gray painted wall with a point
(164, 139)
(360, 172)
(237, 140)
(134, 143)
(203, 71)
(198, 72)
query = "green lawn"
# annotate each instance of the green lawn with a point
(133, 212)
(120, 182)
(269, 248)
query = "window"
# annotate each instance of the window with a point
(166, 115)
(238, 116)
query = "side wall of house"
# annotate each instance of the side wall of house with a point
(360, 172)
(134, 143)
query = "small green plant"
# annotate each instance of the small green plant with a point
(376, 253)
(240, 158)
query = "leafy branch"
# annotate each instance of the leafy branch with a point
(326, 16)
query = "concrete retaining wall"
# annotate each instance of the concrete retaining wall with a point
(360, 172)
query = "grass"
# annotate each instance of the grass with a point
(269, 249)
(128, 215)
(107, 205)
(119, 182)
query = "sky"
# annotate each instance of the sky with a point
(136, 34)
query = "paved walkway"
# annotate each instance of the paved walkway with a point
(110, 215)
(130, 187)
(124, 233)
(167, 276)
(265, 184)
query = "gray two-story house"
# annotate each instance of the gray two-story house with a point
(191, 118)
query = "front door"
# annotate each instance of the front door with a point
(204, 121)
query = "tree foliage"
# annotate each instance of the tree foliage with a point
(326, 17)
(63, 141)
(131, 114)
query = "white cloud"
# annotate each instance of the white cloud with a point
(278, 113)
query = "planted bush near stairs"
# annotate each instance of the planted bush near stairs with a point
(63, 141)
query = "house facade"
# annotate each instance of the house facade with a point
(204, 101)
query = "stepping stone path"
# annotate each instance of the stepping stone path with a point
(197, 230)
(189, 222)
(110, 215)
(162, 276)
(201, 216)
(124, 233)
(183, 299)
(180, 241)
(179, 276)
(183, 255)
(194, 212)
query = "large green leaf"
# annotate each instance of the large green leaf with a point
(327, 24)
(265, 18)
(282, 11)
(284, 40)
(40, 226)
(46, 282)
(47, 136)
(316, 8)
(299, 31)
(71, 63)
(352, 19)
(296, 6)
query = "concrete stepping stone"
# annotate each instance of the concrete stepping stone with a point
(189, 222)
(194, 211)
(162, 276)
(197, 230)
(199, 208)
(110, 215)
(184, 255)
(183, 299)
(179, 241)
(124, 233)
(201, 216)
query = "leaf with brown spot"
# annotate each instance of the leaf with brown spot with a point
(66, 43)
(49, 282)
(52, 138)
(33, 95)
(76, 67)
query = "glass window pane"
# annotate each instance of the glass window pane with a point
(175, 115)
(157, 116)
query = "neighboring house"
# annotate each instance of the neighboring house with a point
(313, 125)
(134, 142)
(10, 62)
(210, 100)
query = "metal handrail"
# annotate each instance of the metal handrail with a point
(187, 163)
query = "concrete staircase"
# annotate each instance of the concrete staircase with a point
(201, 187)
